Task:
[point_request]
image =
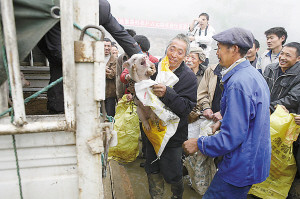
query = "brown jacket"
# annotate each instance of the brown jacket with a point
(120, 87)
(110, 90)
(205, 93)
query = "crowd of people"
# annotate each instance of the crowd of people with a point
(238, 94)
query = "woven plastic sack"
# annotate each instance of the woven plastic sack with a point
(128, 131)
(160, 132)
(194, 128)
(284, 132)
(201, 168)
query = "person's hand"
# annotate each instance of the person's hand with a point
(129, 97)
(128, 77)
(159, 90)
(107, 71)
(208, 114)
(284, 108)
(190, 146)
(216, 127)
(297, 119)
(217, 116)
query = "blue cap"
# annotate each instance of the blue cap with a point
(236, 36)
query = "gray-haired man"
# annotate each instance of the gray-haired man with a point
(180, 100)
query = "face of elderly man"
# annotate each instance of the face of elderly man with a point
(225, 55)
(193, 61)
(176, 53)
(288, 58)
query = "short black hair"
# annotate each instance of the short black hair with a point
(294, 45)
(107, 40)
(256, 43)
(143, 41)
(278, 31)
(131, 32)
(205, 15)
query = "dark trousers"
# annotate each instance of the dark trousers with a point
(218, 188)
(110, 106)
(169, 164)
(144, 139)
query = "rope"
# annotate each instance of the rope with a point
(109, 118)
(18, 167)
(35, 95)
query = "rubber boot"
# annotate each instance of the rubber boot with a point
(156, 186)
(177, 190)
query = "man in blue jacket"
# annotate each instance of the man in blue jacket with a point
(244, 137)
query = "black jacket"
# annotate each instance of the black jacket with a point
(284, 90)
(50, 45)
(116, 30)
(181, 99)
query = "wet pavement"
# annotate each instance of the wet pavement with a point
(139, 183)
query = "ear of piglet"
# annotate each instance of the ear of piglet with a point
(126, 65)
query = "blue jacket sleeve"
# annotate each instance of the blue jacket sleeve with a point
(234, 127)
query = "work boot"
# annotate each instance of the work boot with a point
(177, 190)
(156, 186)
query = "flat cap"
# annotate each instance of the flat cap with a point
(198, 51)
(236, 36)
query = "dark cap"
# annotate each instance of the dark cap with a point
(236, 36)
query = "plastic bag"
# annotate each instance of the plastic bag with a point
(128, 130)
(284, 132)
(201, 168)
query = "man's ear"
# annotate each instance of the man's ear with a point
(282, 38)
(298, 58)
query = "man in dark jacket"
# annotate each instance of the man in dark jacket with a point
(283, 80)
(50, 45)
(180, 100)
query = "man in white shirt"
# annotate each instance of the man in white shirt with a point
(200, 34)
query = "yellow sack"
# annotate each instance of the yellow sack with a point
(128, 130)
(284, 132)
(156, 134)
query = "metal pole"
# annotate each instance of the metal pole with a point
(87, 111)
(13, 61)
(33, 127)
(3, 97)
(67, 41)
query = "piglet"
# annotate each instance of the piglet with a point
(140, 68)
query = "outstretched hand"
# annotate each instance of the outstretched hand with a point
(190, 146)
